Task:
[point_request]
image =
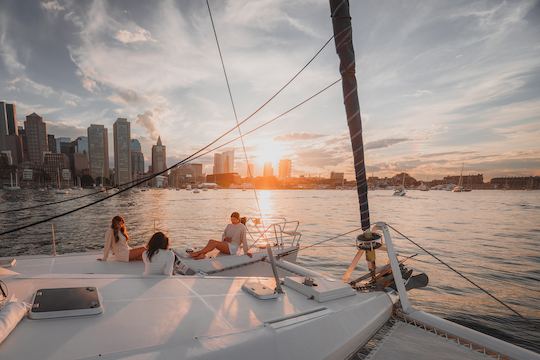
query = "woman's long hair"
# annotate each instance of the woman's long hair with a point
(157, 241)
(117, 220)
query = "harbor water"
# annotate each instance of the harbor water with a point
(493, 237)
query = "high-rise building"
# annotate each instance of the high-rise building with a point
(197, 172)
(81, 145)
(4, 126)
(98, 151)
(78, 160)
(11, 118)
(36, 138)
(268, 169)
(218, 164)
(60, 141)
(224, 162)
(51, 142)
(250, 170)
(137, 159)
(159, 157)
(10, 142)
(80, 164)
(22, 136)
(285, 168)
(8, 122)
(228, 161)
(122, 155)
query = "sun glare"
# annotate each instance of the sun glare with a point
(269, 152)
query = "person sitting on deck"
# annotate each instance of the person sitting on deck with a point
(158, 259)
(116, 240)
(233, 237)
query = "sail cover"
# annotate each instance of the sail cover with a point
(341, 21)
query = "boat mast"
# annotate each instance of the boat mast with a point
(341, 21)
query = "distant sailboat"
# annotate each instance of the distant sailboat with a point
(400, 191)
(59, 187)
(459, 187)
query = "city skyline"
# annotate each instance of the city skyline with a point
(102, 60)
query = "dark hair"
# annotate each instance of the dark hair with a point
(157, 241)
(115, 220)
(235, 215)
(243, 220)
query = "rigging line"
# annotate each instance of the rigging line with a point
(234, 109)
(182, 162)
(321, 242)
(459, 273)
(220, 137)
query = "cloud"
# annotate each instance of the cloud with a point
(420, 93)
(127, 97)
(383, 143)
(8, 53)
(52, 5)
(298, 136)
(128, 37)
(148, 120)
(320, 157)
(26, 84)
(65, 129)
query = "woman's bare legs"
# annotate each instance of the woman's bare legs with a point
(212, 244)
(135, 254)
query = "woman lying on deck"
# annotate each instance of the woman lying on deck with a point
(233, 237)
(116, 240)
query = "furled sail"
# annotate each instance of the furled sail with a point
(341, 21)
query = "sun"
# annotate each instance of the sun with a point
(268, 151)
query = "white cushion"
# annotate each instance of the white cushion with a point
(10, 315)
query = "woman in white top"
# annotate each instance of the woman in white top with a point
(116, 241)
(233, 237)
(158, 259)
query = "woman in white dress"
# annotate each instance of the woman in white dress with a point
(233, 237)
(158, 259)
(116, 241)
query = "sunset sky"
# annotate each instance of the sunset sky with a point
(441, 83)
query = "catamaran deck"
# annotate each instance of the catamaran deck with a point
(211, 317)
(181, 317)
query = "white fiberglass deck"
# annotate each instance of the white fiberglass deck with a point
(183, 317)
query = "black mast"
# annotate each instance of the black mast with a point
(341, 21)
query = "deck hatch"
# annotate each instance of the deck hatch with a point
(62, 302)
